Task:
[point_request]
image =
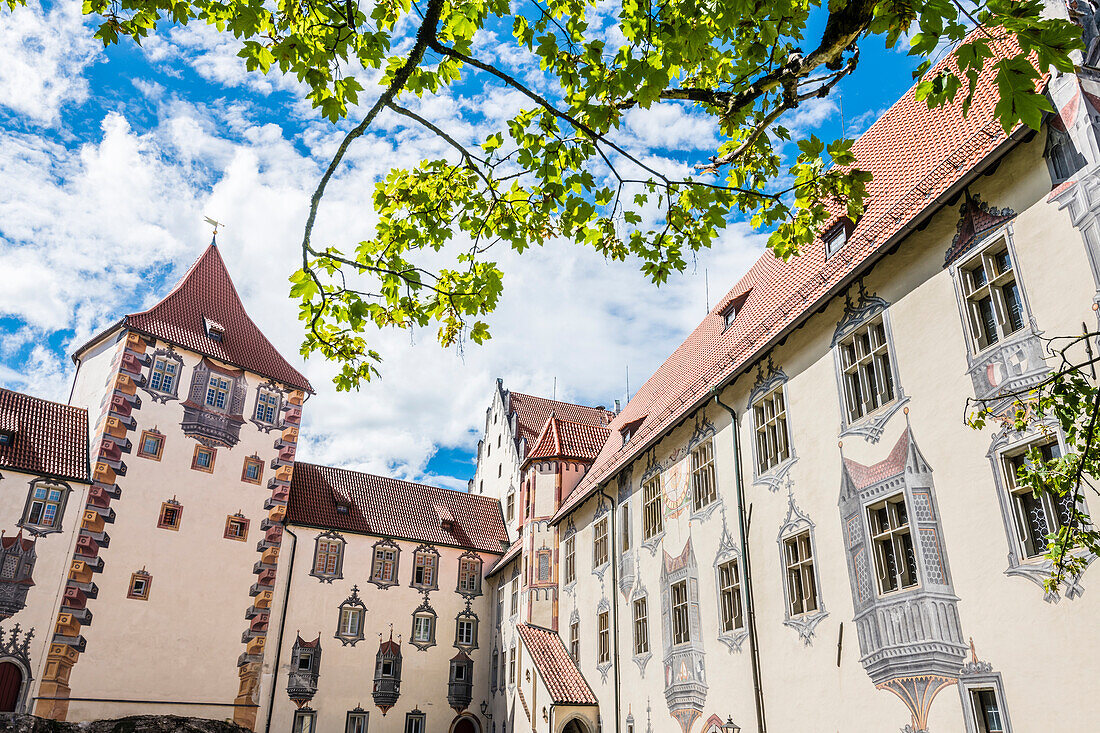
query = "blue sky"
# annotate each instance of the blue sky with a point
(110, 159)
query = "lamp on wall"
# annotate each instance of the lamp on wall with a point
(730, 727)
(485, 710)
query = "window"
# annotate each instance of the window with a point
(214, 330)
(511, 505)
(384, 569)
(351, 623)
(267, 406)
(163, 375)
(500, 470)
(466, 632)
(729, 313)
(327, 557)
(1036, 517)
(603, 638)
(624, 527)
(500, 603)
(253, 470)
(994, 306)
(542, 570)
(140, 583)
(512, 666)
(703, 486)
(45, 506)
(987, 711)
(414, 722)
(599, 544)
(570, 559)
(424, 562)
(7, 437)
(152, 445)
(835, 238)
(515, 596)
(203, 460)
(236, 527)
(503, 661)
(641, 626)
(357, 721)
(469, 575)
(493, 670)
(895, 560)
(575, 640)
(217, 392)
(801, 584)
(171, 512)
(423, 628)
(652, 521)
(867, 373)
(729, 595)
(681, 633)
(305, 721)
(770, 418)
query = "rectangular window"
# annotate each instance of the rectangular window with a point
(515, 597)
(203, 460)
(217, 392)
(801, 584)
(500, 603)
(994, 307)
(511, 505)
(681, 633)
(357, 722)
(987, 711)
(349, 621)
(163, 376)
(424, 569)
(493, 672)
(170, 515)
(512, 666)
(895, 559)
(465, 632)
(599, 544)
(729, 595)
(44, 510)
(604, 638)
(570, 560)
(544, 566)
(422, 628)
(414, 723)
(327, 561)
(770, 419)
(641, 627)
(703, 486)
(385, 561)
(866, 370)
(140, 582)
(469, 575)
(305, 721)
(575, 640)
(1035, 517)
(151, 446)
(253, 470)
(624, 527)
(236, 528)
(652, 519)
(267, 406)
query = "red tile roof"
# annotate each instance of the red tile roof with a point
(863, 476)
(567, 439)
(532, 413)
(206, 293)
(916, 155)
(559, 672)
(50, 438)
(511, 554)
(389, 507)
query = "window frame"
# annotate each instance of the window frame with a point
(357, 714)
(169, 358)
(334, 546)
(570, 560)
(511, 505)
(475, 571)
(601, 553)
(59, 504)
(575, 640)
(425, 614)
(704, 477)
(305, 721)
(240, 521)
(471, 620)
(1013, 497)
(268, 397)
(259, 464)
(426, 562)
(603, 637)
(853, 365)
(803, 566)
(892, 535)
(379, 560)
(146, 580)
(175, 506)
(653, 507)
(993, 284)
(679, 612)
(217, 386)
(158, 437)
(731, 606)
(204, 449)
(771, 429)
(515, 598)
(640, 625)
(416, 722)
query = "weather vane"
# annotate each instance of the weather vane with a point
(214, 224)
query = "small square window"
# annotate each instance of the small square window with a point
(171, 514)
(236, 527)
(253, 470)
(140, 583)
(203, 460)
(7, 437)
(152, 445)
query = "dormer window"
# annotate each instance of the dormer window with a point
(7, 437)
(729, 315)
(214, 330)
(837, 235)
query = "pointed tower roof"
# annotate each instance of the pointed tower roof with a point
(561, 438)
(206, 300)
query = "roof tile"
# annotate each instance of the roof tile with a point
(49, 438)
(559, 672)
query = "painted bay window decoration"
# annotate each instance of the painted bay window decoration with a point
(425, 564)
(213, 410)
(423, 626)
(349, 626)
(151, 445)
(171, 514)
(269, 403)
(983, 696)
(140, 584)
(1004, 353)
(772, 451)
(460, 684)
(328, 556)
(305, 668)
(253, 470)
(45, 506)
(387, 673)
(1027, 519)
(804, 608)
(165, 369)
(684, 655)
(867, 374)
(384, 563)
(899, 577)
(466, 629)
(469, 574)
(17, 558)
(977, 221)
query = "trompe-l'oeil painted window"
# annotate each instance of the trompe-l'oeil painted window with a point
(994, 305)
(866, 370)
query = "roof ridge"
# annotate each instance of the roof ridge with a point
(414, 484)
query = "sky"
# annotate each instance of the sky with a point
(111, 158)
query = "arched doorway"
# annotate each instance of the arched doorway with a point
(576, 725)
(11, 684)
(465, 724)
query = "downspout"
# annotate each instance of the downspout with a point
(614, 602)
(742, 525)
(282, 626)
